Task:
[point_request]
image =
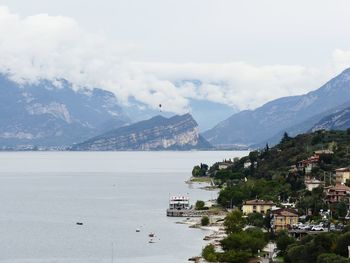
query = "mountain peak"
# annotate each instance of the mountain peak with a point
(259, 125)
(179, 132)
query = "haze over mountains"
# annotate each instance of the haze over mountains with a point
(49, 114)
(55, 115)
(293, 114)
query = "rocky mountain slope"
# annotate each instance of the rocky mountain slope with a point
(339, 120)
(48, 115)
(157, 133)
(251, 127)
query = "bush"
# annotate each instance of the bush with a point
(209, 254)
(331, 258)
(342, 244)
(200, 205)
(205, 221)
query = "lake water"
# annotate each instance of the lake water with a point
(44, 194)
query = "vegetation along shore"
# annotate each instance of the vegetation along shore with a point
(287, 203)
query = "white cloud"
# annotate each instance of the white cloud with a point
(54, 47)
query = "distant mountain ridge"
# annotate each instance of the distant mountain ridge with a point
(339, 120)
(46, 115)
(252, 127)
(157, 133)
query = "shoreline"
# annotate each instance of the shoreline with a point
(216, 226)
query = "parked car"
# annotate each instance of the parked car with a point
(305, 227)
(332, 227)
(317, 228)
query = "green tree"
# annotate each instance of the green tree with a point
(331, 258)
(205, 221)
(341, 209)
(342, 244)
(285, 137)
(296, 254)
(196, 171)
(283, 241)
(200, 205)
(251, 240)
(209, 254)
(234, 222)
(255, 219)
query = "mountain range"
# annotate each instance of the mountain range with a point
(294, 114)
(55, 115)
(44, 114)
(157, 133)
(339, 120)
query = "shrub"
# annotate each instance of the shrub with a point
(331, 258)
(205, 221)
(209, 254)
(200, 205)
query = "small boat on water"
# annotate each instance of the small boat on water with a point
(151, 235)
(151, 241)
(138, 230)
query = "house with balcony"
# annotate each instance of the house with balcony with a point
(338, 192)
(308, 164)
(283, 219)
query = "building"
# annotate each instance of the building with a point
(343, 173)
(224, 165)
(312, 183)
(247, 164)
(179, 206)
(323, 152)
(284, 218)
(308, 164)
(293, 169)
(337, 193)
(257, 206)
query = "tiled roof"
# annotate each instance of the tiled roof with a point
(345, 169)
(258, 202)
(285, 212)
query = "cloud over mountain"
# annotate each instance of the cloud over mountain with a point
(57, 47)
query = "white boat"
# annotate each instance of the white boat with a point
(179, 206)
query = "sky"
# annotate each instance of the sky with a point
(241, 53)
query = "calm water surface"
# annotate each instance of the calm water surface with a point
(44, 194)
